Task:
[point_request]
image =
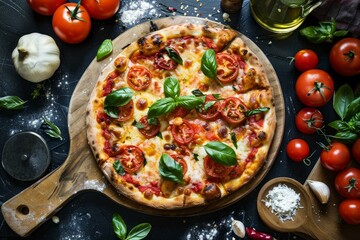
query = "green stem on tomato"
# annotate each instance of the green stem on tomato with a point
(318, 88)
(74, 13)
(349, 56)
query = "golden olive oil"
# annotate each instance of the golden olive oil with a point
(279, 16)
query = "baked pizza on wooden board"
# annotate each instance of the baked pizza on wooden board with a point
(182, 116)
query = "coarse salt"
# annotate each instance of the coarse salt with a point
(283, 201)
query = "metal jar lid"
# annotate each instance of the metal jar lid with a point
(26, 156)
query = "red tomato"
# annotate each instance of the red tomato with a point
(147, 129)
(307, 120)
(349, 211)
(131, 158)
(126, 111)
(163, 60)
(297, 149)
(227, 67)
(345, 57)
(180, 159)
(71, 23)
(210, 109)
(347, 183)
(232, 110)
(216, 170)
(355, 150)
(178, 112)
(183, 133)
(139, 78)
(314, 87)
(306, 59)
(45, 7)
(103, 9)
(335, 157)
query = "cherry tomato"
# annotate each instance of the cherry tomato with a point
(297, 149)
(180, 159)
(103, 9)
(307, 120)
(45, 7)
(232, 110)
(183, 133)
(349, 211)
(163, 60)
(347, 183)
(314, 87)
(216, 170)
(149, 130)
(227, 67)
(210, 109)
(139, 78)
(71, 23)
(355, 150)
(126, 111)
(345, 57)
(131, 158)
(335, 157)
(306, 59)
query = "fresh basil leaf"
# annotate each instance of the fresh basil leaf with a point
(352, 109)
(139, 231)
(233, 139)
(339, 125)
(171, 87)
(345, 137)
(341, 33)
(355, 118)
(159, 135)
(196, 156)
(189, 102)
(112, 112)
(118, 167)
(52, 130)
(256, 111)
(221, 153)
(161, 107)
(208, 64)
(174, 55)
(342, 98)
(153, 121)
(217, 96)
(104, 50)
(119, 97)
(11, 102)
(313, 34)
(197, 93)
(170, 169)
(327, 27)
(119, 226)
(208, 105)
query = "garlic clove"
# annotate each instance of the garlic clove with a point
(320, 189)
(238, 228)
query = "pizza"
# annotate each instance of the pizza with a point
(182, 117)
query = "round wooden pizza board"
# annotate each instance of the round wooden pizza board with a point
(30, 208)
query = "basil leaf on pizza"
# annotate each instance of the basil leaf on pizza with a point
(171, 87)
(221, 153)
(170, 169)
(208, 64)
(256, 111)
(118, 167)
(161, 107)
(117, 99)
(189, 102)
(174, 55)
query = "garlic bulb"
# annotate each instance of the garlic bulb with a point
(238, 228)
(36, 57)
(320, 189)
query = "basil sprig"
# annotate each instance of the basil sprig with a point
(348, 108)
(172, 100)
(221, 153)
(117, 99)
(118, 167)
(139, 232)
(174, 55)
(51, 129)
(256, 111)
(104, 50)
(208, 64)
(11, 102)
(170, 169)
(326, 31)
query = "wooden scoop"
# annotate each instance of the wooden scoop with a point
(303, 220)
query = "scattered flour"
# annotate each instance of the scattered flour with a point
(136, 10)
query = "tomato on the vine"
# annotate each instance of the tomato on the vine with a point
(314, 87)
(307, 120)
(347, 183)
(355, 150)
(349, 211)
(101, 10)
(306, 59)
(71, 23)
(297, 149)
(45, 7)
(335, 157)
(345, 57)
